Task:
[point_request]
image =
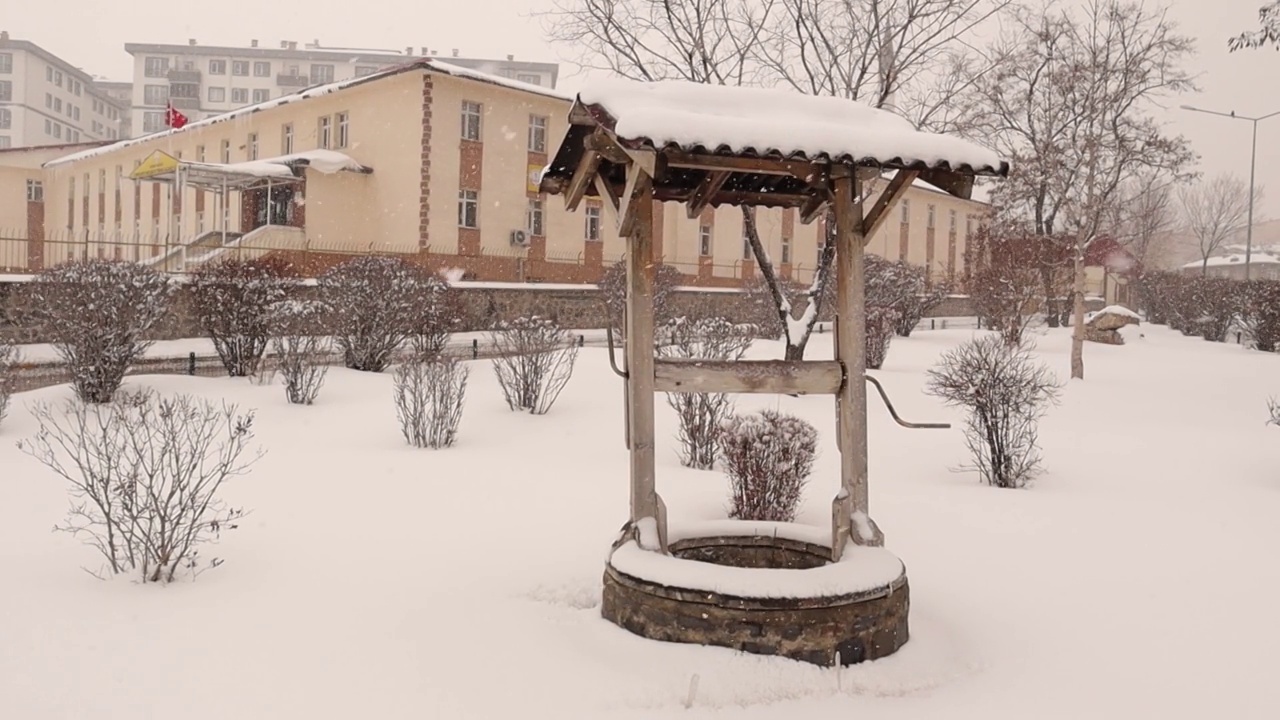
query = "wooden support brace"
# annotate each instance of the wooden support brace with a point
(606, 192)
(583, 175)
(884, 204)
(815, 377)
(813, 206)
(638, 180)
(707, 189)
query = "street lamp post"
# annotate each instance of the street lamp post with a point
(1253, 163)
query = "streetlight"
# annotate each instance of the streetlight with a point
(1253, 162)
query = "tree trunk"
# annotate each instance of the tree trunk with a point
(1050, 302)
(1077, 334)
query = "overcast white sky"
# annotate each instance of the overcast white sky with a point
(92, 34)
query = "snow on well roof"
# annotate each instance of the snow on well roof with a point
(313, 92)
(771, 122)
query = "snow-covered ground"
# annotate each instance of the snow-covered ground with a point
(1136, 578)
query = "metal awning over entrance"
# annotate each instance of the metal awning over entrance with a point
(162, 167)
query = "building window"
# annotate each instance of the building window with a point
(185, 90)
(365, 70)
(906, 211)
(226, 151)
(217, 67)
(85, 187)
(286, 139)
(786, 251)
(262, 69)
(152, 121)
(78, 88)
(155, 94)
(321, 74)
(533, 219)
(6, 63)
(48, 127)
(48, 101)
(48, 74)
(252, 146)
(6, 119)
(35, 191)
(57, 104)
(344, 129)
(75, 112)
(470, 121)
(5, 141)
(239, 95)
(704, 240)
(531, 79)
(468, 209)
(952, 220)
(592, 228)
(217, 95)
(261, 95)
(240, 67)
(155, 67)
(57, 78)
(324, 134)
(931, 213)
(199, 153)
(102, 181)
(537, 133)
(968, 225)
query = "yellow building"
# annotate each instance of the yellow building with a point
(427, 159)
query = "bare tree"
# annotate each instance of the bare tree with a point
(701, 414)
(768, 457)
(1144, 215)
(145, 472)
(8, 358)
(1213, 211)
(534, 361)
(300, 351)
(1005, 282)
(1268, 32)
(230, 300)
(881, 52)
(1070, 103)
(1005, 392)
(429, 394)
(613, 285)
(98, 314)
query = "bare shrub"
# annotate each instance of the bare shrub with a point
(8, 358)
(97, 314)
(301, 355)
(880, 325)
(1260, 314)
(768, 457)
(701, 414)
(429, 394)
(231, 299)
(375, 305)
(534, 362)
(1273, 409)
(145, 472)
(922, 302)
(439, 315)
(1006, 282)
(1005, 392)
(613, 284)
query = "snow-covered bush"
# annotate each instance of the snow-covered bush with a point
(1156, 293)
(1260, 314)
(920, 303)
(429, 393)
(230, 301)
(375, 305)
(701, 414)
(613, 285)
(145, 472)
(97, 314)
(1005, 392)
(8, 358)
(534, 361)
(439, 314)
(1006, 284)
(301, 355)
(1273, 409)
(768, 457)
(880, 325)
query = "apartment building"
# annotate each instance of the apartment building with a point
(121, 93)
(426, 158)
(206, 80)
(44, 100)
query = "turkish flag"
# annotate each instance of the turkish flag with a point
(173, 118)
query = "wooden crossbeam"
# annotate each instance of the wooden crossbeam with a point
(884, 204)
(707, 189)
(953, 183)
(608, 147)
(813, 377)
(759, 166)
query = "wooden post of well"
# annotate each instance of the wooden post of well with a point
(645, 502)
(850, 519)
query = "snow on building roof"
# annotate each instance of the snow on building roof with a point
(313, 92)
(1257, 258)
(772, 122)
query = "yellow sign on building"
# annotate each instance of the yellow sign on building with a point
(157, 163)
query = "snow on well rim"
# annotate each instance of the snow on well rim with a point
(859, 570)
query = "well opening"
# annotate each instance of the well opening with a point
(753, 552)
